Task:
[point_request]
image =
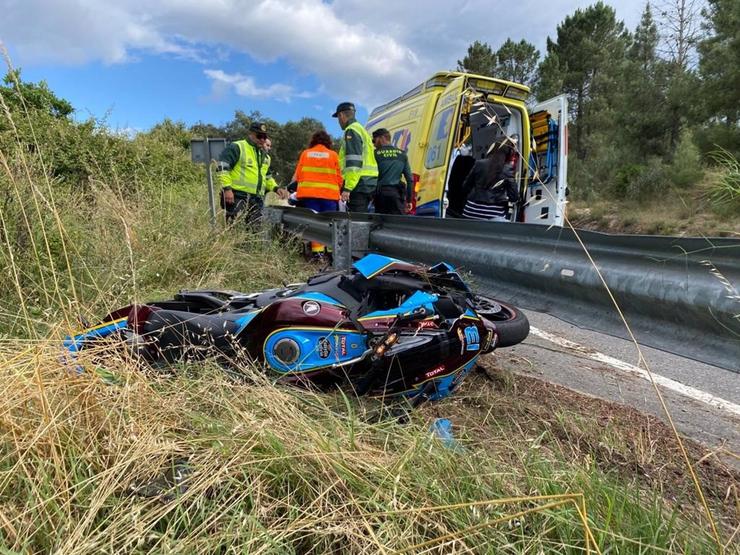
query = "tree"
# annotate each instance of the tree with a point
(34, 96)
(517, 61)
(480, 59)
(171, 132)
(589, 45)
(719, 66)
(680, 30)
(644, 126)
(645, 41)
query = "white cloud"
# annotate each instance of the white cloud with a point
(357, 50)
(244, 85)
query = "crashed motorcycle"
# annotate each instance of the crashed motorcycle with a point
(383, 328)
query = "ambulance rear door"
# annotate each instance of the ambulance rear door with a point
(545, 196)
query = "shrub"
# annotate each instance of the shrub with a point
(686, 167)
(640, 181)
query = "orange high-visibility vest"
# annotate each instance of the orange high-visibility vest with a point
(318, 174)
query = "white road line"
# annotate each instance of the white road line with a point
(686, 390)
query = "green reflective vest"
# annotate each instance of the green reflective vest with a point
(357, 157)
(250, 173)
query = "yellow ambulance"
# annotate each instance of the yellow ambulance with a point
(451, 119)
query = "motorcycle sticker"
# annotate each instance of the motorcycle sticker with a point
(435, 371)
(472, 338)
(340, 345)
(311, 308)
(490, 340)
(324, 347)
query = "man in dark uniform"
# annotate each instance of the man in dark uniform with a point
(392, 196)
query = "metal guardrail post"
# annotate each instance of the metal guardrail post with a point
(272, 219)
(349, 239)
(341, 244)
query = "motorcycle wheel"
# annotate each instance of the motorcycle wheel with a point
(511, 323)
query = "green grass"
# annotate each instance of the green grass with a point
(725, 189)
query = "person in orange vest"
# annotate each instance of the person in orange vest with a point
(319, 180)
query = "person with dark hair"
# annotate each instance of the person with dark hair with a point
(356, 159)
(490, 187)
(319, 180)
(392, 196)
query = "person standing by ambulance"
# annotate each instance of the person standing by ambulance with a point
(243, 171)
(319, 181)
(356, 160)
(393, 196)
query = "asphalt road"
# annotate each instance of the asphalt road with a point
(704, 401)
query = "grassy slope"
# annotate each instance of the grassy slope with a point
(688, 212)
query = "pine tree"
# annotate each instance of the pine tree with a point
(719, 66)
(517, 61)
(589, 45)
(642, 112)
(645, 42)
(480, 59)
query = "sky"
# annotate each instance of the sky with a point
(135, 62)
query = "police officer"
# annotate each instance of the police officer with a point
(392, 196)
(356, 160)
(243, 171)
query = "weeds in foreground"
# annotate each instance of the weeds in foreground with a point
(201, 462)
(725, 192)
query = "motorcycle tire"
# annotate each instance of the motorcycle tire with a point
(511, 323)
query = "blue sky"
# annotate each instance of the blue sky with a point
(138, 94)
(135, 62)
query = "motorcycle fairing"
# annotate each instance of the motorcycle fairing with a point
(416, 300)
(373, 264)
(74, 343)
(245, 320)
(317, 348)
(320, 297)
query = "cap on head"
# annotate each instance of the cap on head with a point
(343, 107)
(258, 127)
(382, 132)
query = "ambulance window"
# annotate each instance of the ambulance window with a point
(441, 128)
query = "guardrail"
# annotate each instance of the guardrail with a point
(678, 294)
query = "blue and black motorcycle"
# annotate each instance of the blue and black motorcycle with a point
(384, 328)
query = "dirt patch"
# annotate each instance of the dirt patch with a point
(571, 426)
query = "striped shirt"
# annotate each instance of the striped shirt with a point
(478, 211)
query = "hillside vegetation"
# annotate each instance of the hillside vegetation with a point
(196, 460)
(654, 112)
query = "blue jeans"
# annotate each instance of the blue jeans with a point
(318, 204)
